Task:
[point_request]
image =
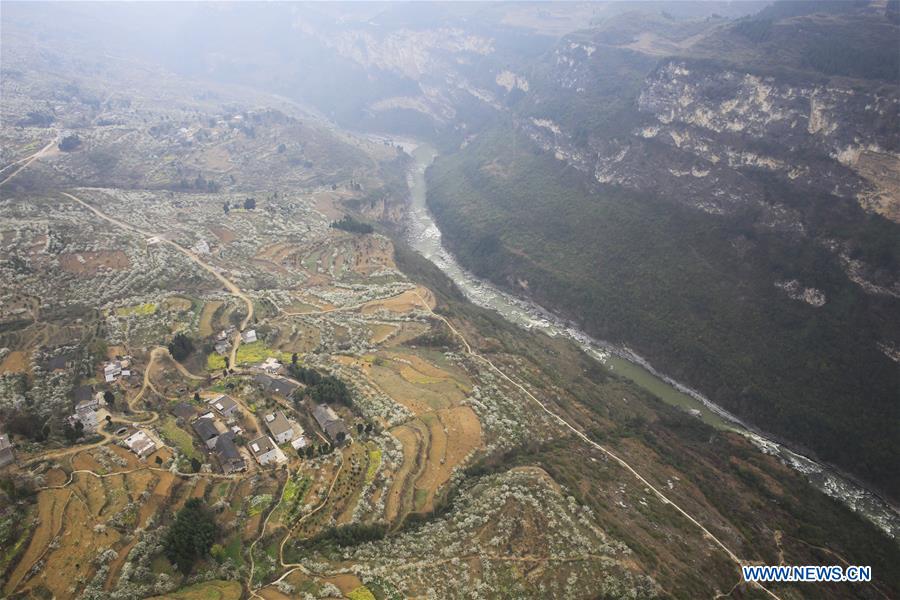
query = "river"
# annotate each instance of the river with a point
(425, 237)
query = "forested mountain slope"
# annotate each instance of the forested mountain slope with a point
(722, 199)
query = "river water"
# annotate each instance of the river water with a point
(425, 237)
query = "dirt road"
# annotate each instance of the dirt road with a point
(45, 151)
(665, 500)
(229, 285)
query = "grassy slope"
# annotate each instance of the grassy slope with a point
(742, 494)
(669, 282)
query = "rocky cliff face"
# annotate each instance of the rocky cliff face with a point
(705, 128)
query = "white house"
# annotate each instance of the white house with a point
(112, 370)
(270, 365)
(140, 443)
(224, 405)
(264, 450)
(280, 427)
(248, 336)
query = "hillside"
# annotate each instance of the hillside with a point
(716, 217)
(227, 371)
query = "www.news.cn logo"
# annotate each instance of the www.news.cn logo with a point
(807, 573)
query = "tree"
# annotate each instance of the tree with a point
(69, 433)
(191, 535)
(195, 465)
(340, 437)
(294, 359)
(250, 203)
(350, 224)
(359, 428)
(69, 143)
(109, 397)
(196, 396)
(369, 427)
(226, 207)
(310, 451)
(180, 347)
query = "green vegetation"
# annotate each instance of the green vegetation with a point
(179, 438)
(181, 347)
(191, 535)
(259, 504)
(324, 389)
(350, 224)
(70, 143)
(138, 310)
(361, 593)
(671, 283)
(349, 535)
(374, 463)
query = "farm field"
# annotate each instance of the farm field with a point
(225, 375)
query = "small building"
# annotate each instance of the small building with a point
(225, 333)
(276, 385)
(279, 426)
(140, 443)
(7, 452)
(207, 431)
(301, 441)
(85, 415)
(92, 403)
(112, 370)
(264, 450)
(249, 336)
(228, 455)
(330, 423)
(271, 365)
(223, 347)
(224, 405)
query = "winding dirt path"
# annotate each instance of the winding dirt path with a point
(233, 289)
(46, 150)
(593, 444)
(294, 566)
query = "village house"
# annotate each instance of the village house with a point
(280, 427)
(228, 455)
(264, 450)
(140, 443)
(271, 365)
(86, 415)
(276, 385)
(249, 336)
(222, 347)
(117, 368)
(225, 334)
(330, 423)
(112, 371)
(207, 431)
(7, 453)
(224, 405)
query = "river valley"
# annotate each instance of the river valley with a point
(425, 237)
